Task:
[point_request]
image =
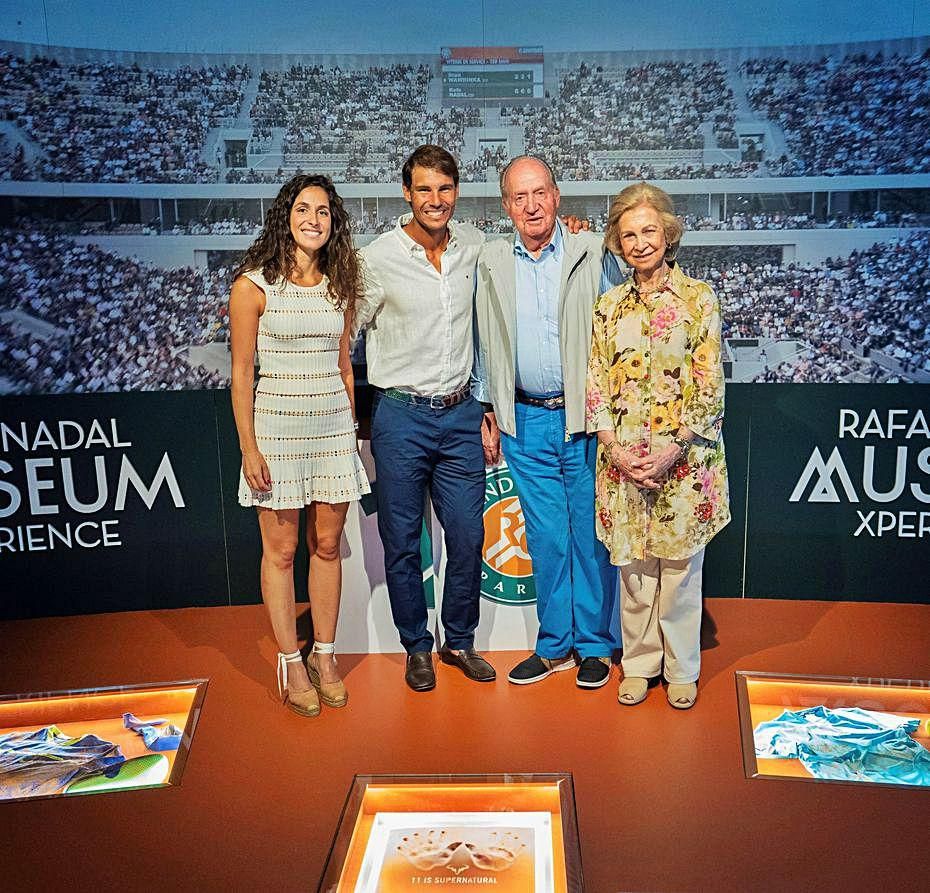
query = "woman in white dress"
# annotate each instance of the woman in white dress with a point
(292, 301)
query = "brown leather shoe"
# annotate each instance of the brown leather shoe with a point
(420, 675)
(472, 664)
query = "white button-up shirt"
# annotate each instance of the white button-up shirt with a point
(419, 320)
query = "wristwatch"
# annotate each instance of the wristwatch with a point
(682, 444)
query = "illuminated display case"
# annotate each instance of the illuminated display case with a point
(90, 741)
(515, 833)
(839, 729)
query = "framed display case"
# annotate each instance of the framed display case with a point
(90, 741)
(839, 729)
(515, 833)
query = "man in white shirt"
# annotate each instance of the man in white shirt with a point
(427, 425)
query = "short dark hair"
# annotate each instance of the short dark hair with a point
(433, 157)
(513, 161)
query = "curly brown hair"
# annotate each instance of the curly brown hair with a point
(273, 252)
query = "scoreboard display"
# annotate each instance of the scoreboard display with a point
(497, 73)
(484, 84)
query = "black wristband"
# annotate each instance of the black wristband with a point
(487, 407)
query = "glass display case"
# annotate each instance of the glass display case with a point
(821, 728)
(515, 833)
(90, 741)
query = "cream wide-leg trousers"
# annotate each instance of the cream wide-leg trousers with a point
(660, 617)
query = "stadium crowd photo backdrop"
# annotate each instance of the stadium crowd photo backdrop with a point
(138, 156)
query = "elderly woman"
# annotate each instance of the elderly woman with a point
(655, 399)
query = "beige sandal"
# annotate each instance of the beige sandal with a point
(632, 690)
(304, 703)
(332, 694)
(682, 695)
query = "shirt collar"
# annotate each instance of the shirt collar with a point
(675, 282)
(411, 244)
(554, 247)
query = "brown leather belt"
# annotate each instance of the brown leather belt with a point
(556, 401)
(437, 401)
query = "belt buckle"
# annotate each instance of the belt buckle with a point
(438, 401)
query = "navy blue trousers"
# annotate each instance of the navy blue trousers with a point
(419, 450)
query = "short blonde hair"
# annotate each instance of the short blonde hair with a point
(633, 196)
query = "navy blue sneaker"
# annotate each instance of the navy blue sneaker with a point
(593, 672)
(535, 668)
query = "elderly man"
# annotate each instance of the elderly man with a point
(428, 429)
(535, 296)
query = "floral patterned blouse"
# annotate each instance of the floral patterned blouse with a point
(655, 366)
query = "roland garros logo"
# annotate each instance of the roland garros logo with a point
(506, 570)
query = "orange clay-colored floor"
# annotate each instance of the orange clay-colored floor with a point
(662, 800)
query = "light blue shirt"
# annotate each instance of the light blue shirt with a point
(611, 274)
(538, 360)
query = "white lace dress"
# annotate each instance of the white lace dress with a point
(303, 421)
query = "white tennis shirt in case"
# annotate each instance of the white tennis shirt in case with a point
(419, 322)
